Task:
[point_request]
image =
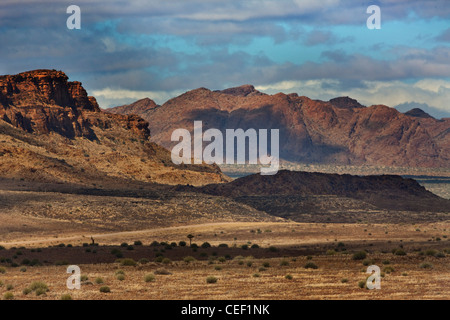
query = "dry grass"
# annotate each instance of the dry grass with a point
(236, 280)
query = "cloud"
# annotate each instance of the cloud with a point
(158, 48)
(390, 93)
(444, 36)
(108, 97)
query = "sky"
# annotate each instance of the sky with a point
(128, 50)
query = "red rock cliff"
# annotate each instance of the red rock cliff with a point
(43, 101)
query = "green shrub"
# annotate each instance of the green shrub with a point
(360, 255)
(166, 261)
(99, 281)
(35, 262)
(182, 243)
(223, 245)
(266, 264)
(289, 277)
(426, 265)
(284, 263)
(119, 272)
(26, 291)
(162, 271)
(8, 296)
(273, 249)
(2, 270)
(138, 243)
(388, 269)
(189, 259)
(105, 289)
(128, 262)
(149, 278)
(144, 261)
(344, 280)
(400, 252)
(124, 244)
(39, 285)
(211, 279)
(66, 297)
(254, 246)
(84, 278)
(9, 287)
(362, 284)
(256, 275)
(120, 277)
(40, 291)
(206, 245)
(368, 262)
(311, 265)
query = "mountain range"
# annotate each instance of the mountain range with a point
(340, 131)
(54, 138)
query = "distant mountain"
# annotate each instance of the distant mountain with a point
(340, 131)
(418, 113)
(141, 107)
(434, 112)
(52, 131)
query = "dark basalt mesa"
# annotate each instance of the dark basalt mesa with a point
(293, 194)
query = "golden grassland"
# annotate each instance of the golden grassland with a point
(275, 270)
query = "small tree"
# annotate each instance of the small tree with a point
(190, 237)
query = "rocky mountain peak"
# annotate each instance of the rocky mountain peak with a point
(242, 91)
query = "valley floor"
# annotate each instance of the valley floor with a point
(275, 270)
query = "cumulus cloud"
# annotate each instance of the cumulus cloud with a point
(128, 50)
(390, 93)
(108, 97)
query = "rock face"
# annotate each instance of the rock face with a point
(242, 91)
(43, 101)
(341, 131)
(44, 119)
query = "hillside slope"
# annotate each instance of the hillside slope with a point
(51, 130)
